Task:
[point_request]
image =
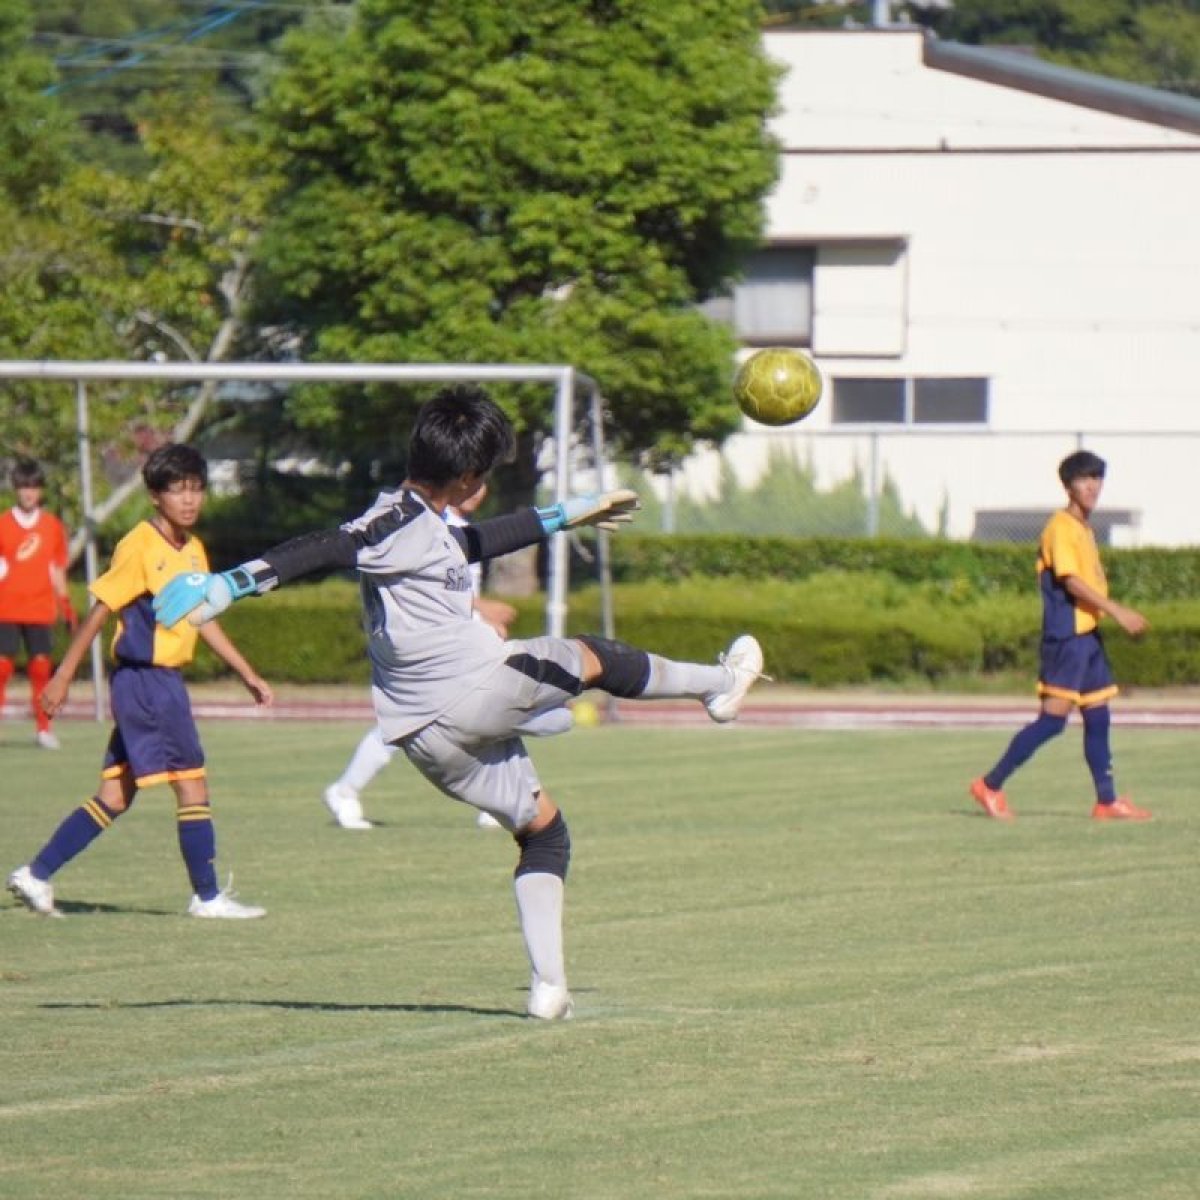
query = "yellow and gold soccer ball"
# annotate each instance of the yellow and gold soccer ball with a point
(777, 386)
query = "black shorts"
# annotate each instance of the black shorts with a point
(35, 637)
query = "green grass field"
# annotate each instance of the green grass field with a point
(803, 967)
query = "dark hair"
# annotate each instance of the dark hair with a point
(173, 463)
(1083, 464)
(460, 431)
(27, 473)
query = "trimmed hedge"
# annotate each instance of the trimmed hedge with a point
(1138, 576)
(828, 611)
(834, 629)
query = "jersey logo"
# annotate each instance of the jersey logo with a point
(29, 547)
(458, 579)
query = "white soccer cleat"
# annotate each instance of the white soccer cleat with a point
(346, 807)
(485, 820)
(744, 659)
(224, 907)
(47, 740)
(550, 1001)
(36, 894)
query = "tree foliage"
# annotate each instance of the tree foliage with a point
(107, 265)
(1152, 42)
(111, 54)
(490, 182)
(33, 133)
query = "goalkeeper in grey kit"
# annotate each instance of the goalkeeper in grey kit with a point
(447, 690)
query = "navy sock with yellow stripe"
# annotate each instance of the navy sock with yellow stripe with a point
(73, 836)
(198, 845)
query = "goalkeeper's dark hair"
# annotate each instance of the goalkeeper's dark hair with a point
(27, 473)
(175, 462)
(1083, 464)
(460, 431)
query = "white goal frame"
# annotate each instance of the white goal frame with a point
(566, 380)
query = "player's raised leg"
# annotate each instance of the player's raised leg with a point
(630, 673)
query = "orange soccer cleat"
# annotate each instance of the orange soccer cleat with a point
(1121, 809)
(992, 802)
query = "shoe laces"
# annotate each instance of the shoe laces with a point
(723, 660)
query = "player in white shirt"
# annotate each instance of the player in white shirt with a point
(447, 691)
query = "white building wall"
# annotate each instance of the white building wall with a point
(1051, 247)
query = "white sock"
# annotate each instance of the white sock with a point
(372, 755)
(671, 679)
(540, 909)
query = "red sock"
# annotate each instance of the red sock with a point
(6, 670)
(40, 669)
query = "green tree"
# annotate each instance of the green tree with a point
(131, 267)
(113, 53)
(1153, 42)
(547, 182)
(33, 133)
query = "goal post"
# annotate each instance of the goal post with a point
(567, 381)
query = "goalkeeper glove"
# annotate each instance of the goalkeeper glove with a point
(200, 596)
(606, 510)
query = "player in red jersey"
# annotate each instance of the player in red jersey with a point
(33, 589)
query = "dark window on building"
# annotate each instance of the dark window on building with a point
(950, 401)
(772, 305)
(868, 401)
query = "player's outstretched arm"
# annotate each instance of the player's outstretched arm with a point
(200, 596)
(496, 536)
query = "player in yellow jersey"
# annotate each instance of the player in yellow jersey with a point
(154, 739)
(1074, 667)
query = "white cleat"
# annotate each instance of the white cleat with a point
(36, 894)
(744, 659)
(224, 907)
(346, 807)
(550, 1001)
(47, 740)
(485, 820)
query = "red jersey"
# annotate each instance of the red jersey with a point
(27, 552)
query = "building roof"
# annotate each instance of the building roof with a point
(1020, 69)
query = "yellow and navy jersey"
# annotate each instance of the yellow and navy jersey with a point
(1068, 547)
(143, 563)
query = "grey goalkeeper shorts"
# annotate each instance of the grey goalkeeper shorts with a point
(474, 752)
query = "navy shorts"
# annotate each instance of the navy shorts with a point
(155, 734)
(35, 637)
(1076, 669)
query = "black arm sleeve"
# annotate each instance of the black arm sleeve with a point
(499, 535)
(326, 550)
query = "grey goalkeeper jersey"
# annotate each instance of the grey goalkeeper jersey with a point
(425, 649)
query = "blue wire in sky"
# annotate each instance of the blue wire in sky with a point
(193, 30)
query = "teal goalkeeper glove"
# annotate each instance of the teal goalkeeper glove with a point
(200, 596)
(606, 510)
